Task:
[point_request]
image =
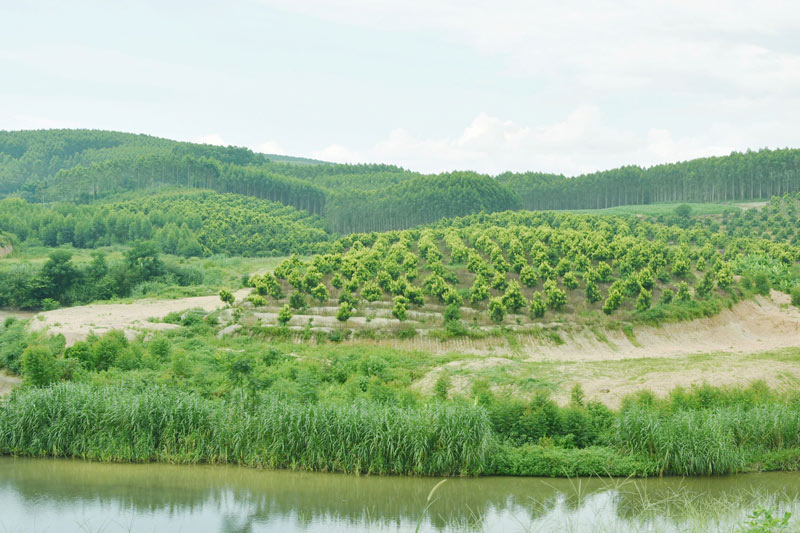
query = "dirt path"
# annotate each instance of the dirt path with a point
(76, 323)
(7, 382)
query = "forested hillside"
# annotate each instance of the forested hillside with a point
(85, 166)
(187, 223)
(736, 177)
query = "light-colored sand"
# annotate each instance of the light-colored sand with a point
(7, 382)
(658, 359)
(76, 323)
(6, 250)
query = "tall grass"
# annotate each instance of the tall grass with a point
(715, 440)
(162, 424)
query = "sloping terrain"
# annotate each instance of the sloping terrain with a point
(76, 323)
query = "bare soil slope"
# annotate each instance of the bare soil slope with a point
(755, 340)
(76, 323)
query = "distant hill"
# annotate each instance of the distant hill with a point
(84, 166)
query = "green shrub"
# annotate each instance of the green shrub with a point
(761, 283)
(39, 366)
(795, 295)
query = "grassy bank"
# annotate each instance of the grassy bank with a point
(151, 423)
(162, 424)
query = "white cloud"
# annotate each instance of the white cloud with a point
(702, 45)
(270, 147)
(336, 153)
(211, 138)
(582, 142)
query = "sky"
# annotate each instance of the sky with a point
(435, 85)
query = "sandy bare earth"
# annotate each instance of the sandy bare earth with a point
(754, 340)
(7, 382)
(76, 323)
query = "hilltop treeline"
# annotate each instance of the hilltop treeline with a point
(736, 177)
(84, 166)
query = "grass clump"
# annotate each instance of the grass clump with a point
(138, 424)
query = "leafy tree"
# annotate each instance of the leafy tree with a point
(644, 300)
(226, 296)
(399, 311)
(556, 298)
(345, 312)
(320, 293)
(285, 314)
(513, 300)
(612, 302)
(593, 292)
(528, 277)
(497, 311)
(762, 284)
(297, 301)
(570, 281)
(538, 306)
(39, 366)
(666, 296)
(724, 277)
(683, 294)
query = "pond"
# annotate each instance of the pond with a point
(67, 495)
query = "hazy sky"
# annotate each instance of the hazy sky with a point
(566, 86)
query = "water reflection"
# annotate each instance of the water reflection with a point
(44, 495)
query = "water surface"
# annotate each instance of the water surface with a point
(66, 495)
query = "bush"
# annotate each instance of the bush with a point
(285, 315)
(795, 295)
(497, 311)
(226, 296)
(762, 284)
(345, 312)
(39, 366)
(297, 301)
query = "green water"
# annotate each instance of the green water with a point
(63, 495)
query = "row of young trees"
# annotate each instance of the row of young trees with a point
(537, 262)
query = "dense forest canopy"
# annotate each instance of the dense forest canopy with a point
(84, 166)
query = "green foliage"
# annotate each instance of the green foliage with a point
(762, 520)
(683, 292)
(762, 284)
(226, 296)
(442, 386)
(345, 311)
(70, 420)
(570, 281)
(39, 366)
(795, 295)
(644, 300)
(497, 311)
(538, 307)
(297, 301)
(513, 300)
(399, 311)
(612, 302)
(284, 315)
(556, 298)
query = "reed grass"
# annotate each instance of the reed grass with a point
(716, 440)
(163, 424)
